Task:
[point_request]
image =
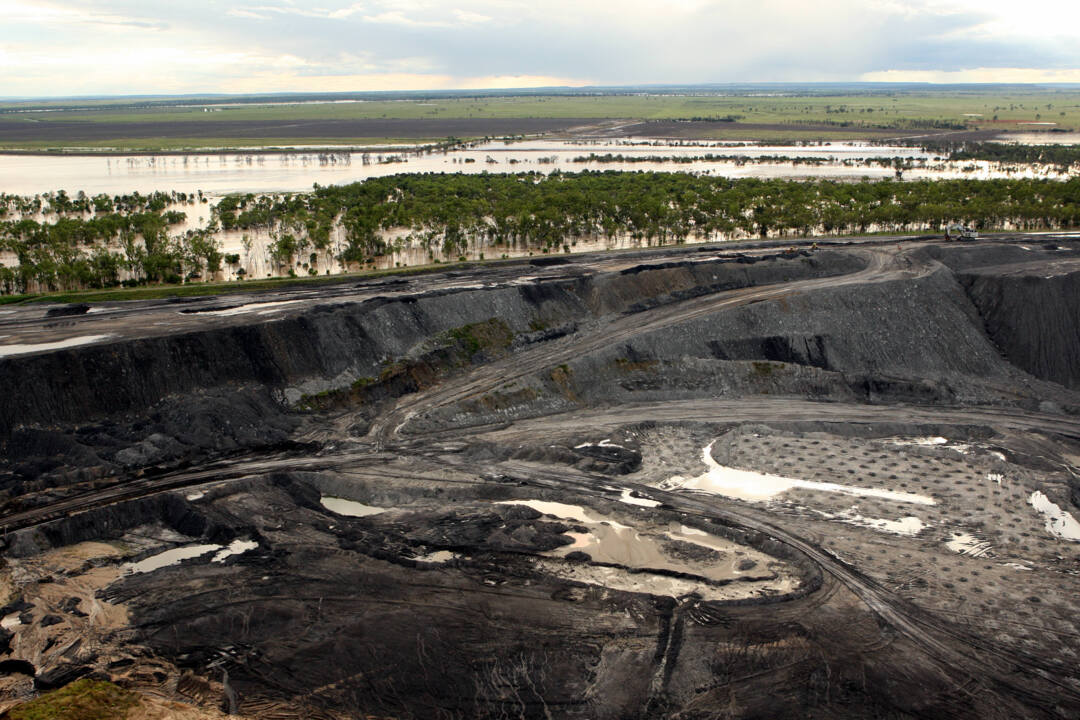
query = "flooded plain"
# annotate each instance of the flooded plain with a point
(298, 170)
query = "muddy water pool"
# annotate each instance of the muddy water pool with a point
(671, 551)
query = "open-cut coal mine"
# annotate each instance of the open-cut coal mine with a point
(750, 480)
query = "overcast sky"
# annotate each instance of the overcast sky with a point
(186, 46)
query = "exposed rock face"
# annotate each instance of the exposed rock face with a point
(1028, 298)
(351, 339)
(1033, 318)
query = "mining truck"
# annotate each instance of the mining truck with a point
(960, 232)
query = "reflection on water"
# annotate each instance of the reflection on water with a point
(299, 170)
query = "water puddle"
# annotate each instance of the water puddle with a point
(606, 443)
(922, 441)
(236, 547)
(175, 556)
(6, 350)
(1059, 523)
(349, 508)
(908, 526)
(169, 557)
(267, 308)
(760, 487)
(629, 499)
(967, 544)
(962, 448)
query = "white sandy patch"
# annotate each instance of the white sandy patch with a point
(11, 621)
(1058, 522)
(196, 496)
(6, 350)
(439, 556)
(760, 487)
(967, 544)
(351, 508)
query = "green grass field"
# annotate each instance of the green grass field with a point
(903, 110)
(978, 109)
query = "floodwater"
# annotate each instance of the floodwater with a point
(349, 508)
(760, 487)
(298, 170)
(1040, 138)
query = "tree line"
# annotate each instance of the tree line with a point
(450, 213)
(545, 212)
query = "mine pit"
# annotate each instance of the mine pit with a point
(762, 481)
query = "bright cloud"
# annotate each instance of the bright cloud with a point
(153, 46)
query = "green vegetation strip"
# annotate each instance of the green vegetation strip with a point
(81, 700)
(97, 241)
(1063, 156)
(549, 212)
